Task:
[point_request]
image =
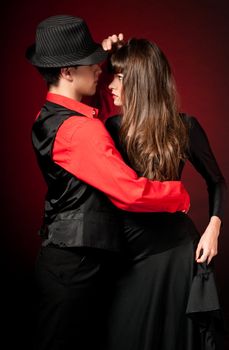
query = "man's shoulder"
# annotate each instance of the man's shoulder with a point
(75, 125)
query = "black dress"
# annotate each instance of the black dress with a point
(163, 299)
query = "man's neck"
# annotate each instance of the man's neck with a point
(65, 92)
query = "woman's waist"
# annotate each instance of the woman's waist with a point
(158, 220)
(156, 232)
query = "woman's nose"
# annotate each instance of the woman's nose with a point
(111, 85)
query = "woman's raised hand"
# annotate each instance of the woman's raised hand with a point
(113, 40)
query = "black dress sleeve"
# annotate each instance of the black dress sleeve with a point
(202, 158)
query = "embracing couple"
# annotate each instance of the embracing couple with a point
(121, 266)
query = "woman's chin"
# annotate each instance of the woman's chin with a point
(117, 103)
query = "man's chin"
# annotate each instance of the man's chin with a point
(91, 92)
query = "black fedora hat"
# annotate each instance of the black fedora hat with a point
(63, 41)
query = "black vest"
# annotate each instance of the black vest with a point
(76, 214)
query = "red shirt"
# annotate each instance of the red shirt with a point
(85, 149)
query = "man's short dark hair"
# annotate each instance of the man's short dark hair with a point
(50, 75)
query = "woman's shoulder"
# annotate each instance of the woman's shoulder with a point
(112, 125)
(193, 125)
(198, 139)
(188, 119)
(113, 122)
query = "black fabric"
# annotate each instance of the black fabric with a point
(163, 299)
(73, 286)
(63, 41)
(204, 308)
(76, 214)
(149, 302)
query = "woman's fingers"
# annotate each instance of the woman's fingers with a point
(121, 36)
(204, 254)
(203, 257)
(198, 251)
(112, 39)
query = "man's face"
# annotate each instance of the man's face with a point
(86, 79)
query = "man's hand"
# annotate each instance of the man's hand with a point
(113, 40)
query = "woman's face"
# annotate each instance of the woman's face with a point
(116, 88)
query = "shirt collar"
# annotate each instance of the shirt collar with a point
(74, 105)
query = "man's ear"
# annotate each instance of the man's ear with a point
(66, 73)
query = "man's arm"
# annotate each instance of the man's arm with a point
(84, 148)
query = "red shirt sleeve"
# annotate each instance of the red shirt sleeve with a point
(84, 148)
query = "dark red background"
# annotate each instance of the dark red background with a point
(194, 36)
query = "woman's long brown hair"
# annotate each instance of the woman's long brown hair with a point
(152, 132)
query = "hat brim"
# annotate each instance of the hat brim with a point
(97, 56)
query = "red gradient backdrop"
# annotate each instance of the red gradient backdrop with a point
(194, 36)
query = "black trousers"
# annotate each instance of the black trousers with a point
(74, 286)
